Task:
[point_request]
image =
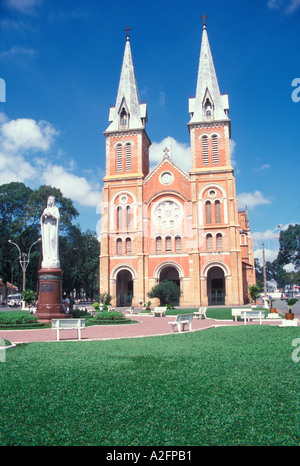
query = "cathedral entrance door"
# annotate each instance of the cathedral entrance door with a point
(171, 273)
(124, 288)
(216, 287)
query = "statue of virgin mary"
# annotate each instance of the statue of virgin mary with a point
(50, 227)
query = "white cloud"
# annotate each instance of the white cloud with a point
(289, 6)
(75, 187)
(24, 6)
(26, 134)
(262, 167)
(252, 200)
(16, 51)
(270, 255)
(18, 139)
(179, 152)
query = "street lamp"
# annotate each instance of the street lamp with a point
(24, 259)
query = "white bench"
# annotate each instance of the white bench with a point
(235, 312)
(182, 320)
(201, 313)
(247, 314)
(160, 311)
(68, 324)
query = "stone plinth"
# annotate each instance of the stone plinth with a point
(50, 295)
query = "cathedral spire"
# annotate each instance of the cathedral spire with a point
(208, 104)
(128, 113)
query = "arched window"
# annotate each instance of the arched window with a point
(217, 212)
(128, 156)
(119, 217)
(168, 244)
(158, 244)
(123, 118)
(208, 211)
(119, 165)
(209, 242)
(128, 246)
(119, 246)
(219, 242)
(205, 158)
(128, 216)
(177, 243)
(215, 149)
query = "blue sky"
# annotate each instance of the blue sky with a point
(61, 64)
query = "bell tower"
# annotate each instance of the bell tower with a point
(213, 187)
(127, 164)
(127, 144)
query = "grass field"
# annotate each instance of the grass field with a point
(223, 386)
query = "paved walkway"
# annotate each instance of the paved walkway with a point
(147, 326)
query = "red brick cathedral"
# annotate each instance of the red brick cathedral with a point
(167, 224)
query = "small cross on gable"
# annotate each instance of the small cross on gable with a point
(166, 152)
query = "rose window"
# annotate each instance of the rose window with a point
(168, 214)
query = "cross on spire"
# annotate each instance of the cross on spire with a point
(203, 19)
(166, 151)
(127, 29)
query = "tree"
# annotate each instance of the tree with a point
(289, 250)
(20, 212)
(166, 291)
(259, 274)
(275, 271)
(254, 291)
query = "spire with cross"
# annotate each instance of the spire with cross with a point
(127, 30)
(204, 18)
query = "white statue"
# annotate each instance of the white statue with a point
(50, 226)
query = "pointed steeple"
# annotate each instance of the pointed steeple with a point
(128, 113)
(209, 104)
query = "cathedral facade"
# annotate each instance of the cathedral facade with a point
(168, 224)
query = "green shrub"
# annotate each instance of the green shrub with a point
(19, 319)
(110, 315)
(77, 313)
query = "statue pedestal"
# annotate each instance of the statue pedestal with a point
(50, 295)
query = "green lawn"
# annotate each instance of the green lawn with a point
(223, 386)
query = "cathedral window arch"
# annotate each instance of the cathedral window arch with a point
(205, 156)
(208, 211)
(217, 211)
(215, 149)
(158, 243)
(124, 118)
(119, 161)
(119, 246)
(119, 219)
(128, 245)
(177, 243)
(128, 156)
(168, 244)
(219, 241)
(128, 217)
(209, 242)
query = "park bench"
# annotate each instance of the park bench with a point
(251, 314)
(201, 313)
(235, 312)
(182, 320)
(160, 311)
(68, 324)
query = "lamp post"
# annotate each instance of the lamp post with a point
(24, 259)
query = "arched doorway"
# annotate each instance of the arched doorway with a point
(216, 286)
(124, 288)
(171, 274)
